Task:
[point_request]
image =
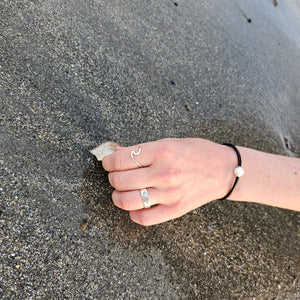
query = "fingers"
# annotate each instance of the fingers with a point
(132, 200)
(159, 174)
(155, 215)
(123, 158)
(132, 179)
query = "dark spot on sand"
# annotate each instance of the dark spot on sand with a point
(287, 143)
(172, 82)
(175, 3)
(243, 13)
(84, 224)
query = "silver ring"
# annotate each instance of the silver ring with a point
(136, 153)
(145, 198)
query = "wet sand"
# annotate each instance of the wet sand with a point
(74, 74)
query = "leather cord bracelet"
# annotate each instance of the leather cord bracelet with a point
(238, 171)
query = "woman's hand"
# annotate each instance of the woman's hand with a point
(179, 175)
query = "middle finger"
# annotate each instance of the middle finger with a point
(132, 179)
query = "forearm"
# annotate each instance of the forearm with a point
(269, 179)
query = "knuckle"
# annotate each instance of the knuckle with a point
(115, 197)
(143, 220)
(167, 150)
(167, 140)
(115, 180)
(169, 176)
(124, 201)
(118, 161)
(105, 163)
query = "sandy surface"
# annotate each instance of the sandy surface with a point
(76, 73)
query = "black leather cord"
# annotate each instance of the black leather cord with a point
(239, 165)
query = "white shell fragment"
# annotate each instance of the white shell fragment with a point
(104, 149)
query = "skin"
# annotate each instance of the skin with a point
(183, 174)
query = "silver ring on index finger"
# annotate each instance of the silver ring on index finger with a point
(136, 153)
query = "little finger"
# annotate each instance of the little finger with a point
(155, 215)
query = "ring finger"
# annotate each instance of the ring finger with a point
(132, 200)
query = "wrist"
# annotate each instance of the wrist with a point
(226, 162)
(231, 171)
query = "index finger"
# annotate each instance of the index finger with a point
(123, 158)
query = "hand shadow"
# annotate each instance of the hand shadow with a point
(95, 194)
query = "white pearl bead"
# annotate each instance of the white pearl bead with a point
(239, 171)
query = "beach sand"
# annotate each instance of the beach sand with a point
(74, 74)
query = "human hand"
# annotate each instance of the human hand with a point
(179, 175)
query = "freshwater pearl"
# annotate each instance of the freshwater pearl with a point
(239, 171)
